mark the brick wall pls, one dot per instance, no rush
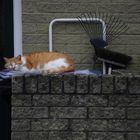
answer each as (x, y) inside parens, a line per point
(70, 38)
(76, 107)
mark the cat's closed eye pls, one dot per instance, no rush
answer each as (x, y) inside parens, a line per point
(8, 66)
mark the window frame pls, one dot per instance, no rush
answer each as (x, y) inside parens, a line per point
(17, 19)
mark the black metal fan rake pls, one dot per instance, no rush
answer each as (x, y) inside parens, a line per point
(102, 29)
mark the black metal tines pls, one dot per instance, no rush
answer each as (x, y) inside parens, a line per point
(91, 23)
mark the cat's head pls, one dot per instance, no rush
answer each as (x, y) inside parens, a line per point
(13, 63)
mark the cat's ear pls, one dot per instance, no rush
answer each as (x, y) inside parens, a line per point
(5, 59)
(19, 57)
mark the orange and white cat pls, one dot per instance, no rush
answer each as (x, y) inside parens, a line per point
(42, 62)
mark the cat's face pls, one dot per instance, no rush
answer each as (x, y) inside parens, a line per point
(13, 63)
